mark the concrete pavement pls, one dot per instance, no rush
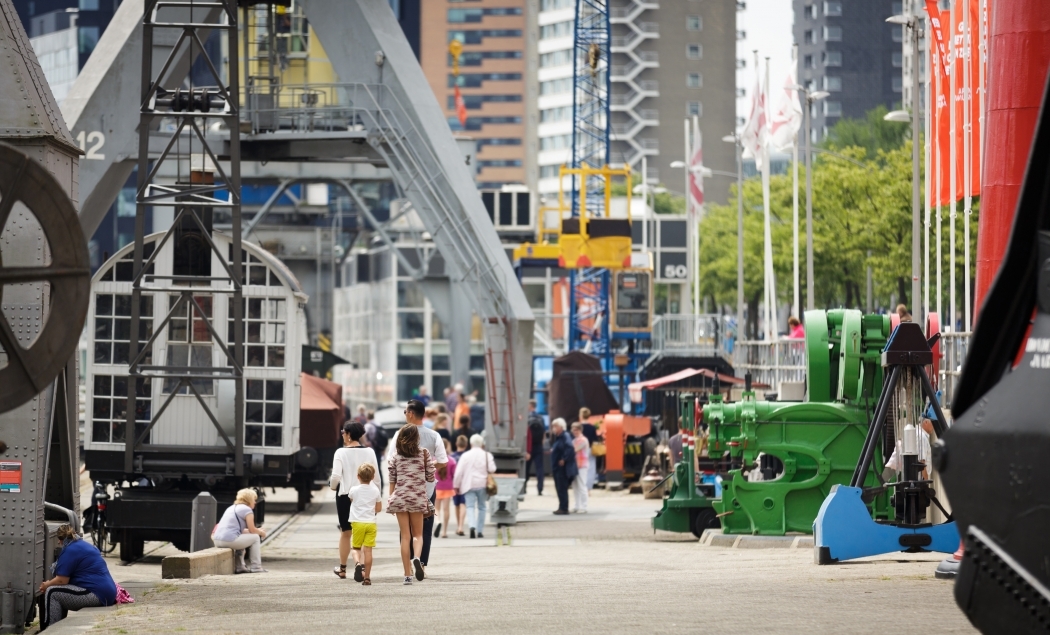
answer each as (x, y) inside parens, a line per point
(604, 572)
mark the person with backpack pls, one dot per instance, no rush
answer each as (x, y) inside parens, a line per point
(348, 459)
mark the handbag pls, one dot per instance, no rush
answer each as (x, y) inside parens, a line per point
(490, 485)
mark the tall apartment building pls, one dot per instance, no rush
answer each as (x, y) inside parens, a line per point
(493, 79)
(847, 48)
(670, 60)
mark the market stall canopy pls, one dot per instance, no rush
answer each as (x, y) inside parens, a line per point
(635, 389)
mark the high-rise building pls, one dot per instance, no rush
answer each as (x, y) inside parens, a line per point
(492, 80)
(912, 8)
(847, 48)
(670, 61)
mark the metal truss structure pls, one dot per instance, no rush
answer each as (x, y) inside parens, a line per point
(194, 197)
(384, 118)
(589, 288)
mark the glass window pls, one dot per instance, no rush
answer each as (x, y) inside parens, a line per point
(898, 83)
(109, 408)
(694, 51)
(832, 109)
(694, 80)
(694, 108)
(833, 8)
(409, 325)
(694, 23)
(265, 331)
(807, 61)
(113, 327)
(408, 385)
(898, 59)
(410, 357)
(409, 295)
(833, 34)
(536, 294)
(832, 58)
(263, 412)
(832, 84)
(807, 37)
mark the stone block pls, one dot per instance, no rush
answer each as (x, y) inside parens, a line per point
(213, 561)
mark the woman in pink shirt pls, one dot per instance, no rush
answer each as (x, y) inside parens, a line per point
(583, 457)
(445, 492)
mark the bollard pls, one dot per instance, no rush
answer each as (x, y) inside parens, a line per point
(10, 607)
(203, 521)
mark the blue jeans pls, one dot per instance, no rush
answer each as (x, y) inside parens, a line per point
(476, 498)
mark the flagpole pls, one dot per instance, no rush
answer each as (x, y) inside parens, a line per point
(771, 290)
(796, 306)
(928, 182)
(967, 158)
(938, 61)
(952, 164)
(687, 287)
(697, 211)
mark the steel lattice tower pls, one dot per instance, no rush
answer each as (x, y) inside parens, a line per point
(589, 288)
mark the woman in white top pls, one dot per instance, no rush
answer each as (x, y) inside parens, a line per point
(236, 530)
(472, 474)
(347, 460)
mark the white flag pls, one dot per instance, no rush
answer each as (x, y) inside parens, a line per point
(787, 117)
(696, 165)
(756, 133)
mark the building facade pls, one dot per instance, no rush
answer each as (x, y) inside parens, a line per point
(847, 48)
(670, 61)
(493, 80)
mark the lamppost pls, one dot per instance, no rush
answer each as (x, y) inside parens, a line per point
(735, 140)
(911, 22)
(692, 233)
(810, 97)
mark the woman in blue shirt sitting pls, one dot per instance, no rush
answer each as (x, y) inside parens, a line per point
(81, 579)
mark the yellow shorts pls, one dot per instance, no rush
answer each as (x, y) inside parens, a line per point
(364, 535)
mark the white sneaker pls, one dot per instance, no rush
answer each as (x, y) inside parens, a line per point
(408, 579)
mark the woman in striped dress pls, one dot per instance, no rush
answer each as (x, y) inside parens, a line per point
(411, 468)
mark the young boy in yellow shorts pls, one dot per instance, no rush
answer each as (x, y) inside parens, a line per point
(365, 502)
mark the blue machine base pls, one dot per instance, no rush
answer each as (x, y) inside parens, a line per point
(844, 530)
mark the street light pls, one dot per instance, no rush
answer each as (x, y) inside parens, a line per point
(911, 22)
(735, 140)
(810, 97)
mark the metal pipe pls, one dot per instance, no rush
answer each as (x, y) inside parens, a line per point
(809, 206)
(74, 521)
(916, 247)
(739, 241)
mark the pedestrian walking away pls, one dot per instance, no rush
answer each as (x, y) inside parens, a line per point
(590, 432)
(411, 470)
(345, 465)
(563, 464)
(580, 484)
(472, 477)
(534, 447)
(431, 442)
(366, 502)
(459, 501)
(445, 493)
(236, 530)
(81, 579)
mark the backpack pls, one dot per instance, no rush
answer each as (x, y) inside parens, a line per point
(377, 438)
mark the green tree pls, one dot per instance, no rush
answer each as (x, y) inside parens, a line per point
(872, 133)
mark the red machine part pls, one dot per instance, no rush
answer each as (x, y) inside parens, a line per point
(1019, 43)
(616, 427)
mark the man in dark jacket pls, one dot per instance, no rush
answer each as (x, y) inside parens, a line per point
(534, 447)
(563, 464)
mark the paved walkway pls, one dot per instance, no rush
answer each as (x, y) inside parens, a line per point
(604, 572)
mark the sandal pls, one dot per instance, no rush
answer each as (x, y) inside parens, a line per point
(359, 573)
(366, 582)
(340, 571)
(460, 533)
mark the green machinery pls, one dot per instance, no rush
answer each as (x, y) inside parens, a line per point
(689, 505)
(802, 448)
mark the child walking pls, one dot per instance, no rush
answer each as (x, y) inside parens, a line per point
(366, 502)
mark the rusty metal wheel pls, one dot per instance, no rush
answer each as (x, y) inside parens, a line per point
(44, 336)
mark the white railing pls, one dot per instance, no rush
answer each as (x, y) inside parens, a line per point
(699, 335)
(771, 362)
(953, 353)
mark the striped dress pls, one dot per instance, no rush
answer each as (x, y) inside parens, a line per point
(410, 476)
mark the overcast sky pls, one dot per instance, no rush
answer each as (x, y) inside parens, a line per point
(768, 27)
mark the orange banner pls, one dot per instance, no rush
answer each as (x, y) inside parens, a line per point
(964, 49)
